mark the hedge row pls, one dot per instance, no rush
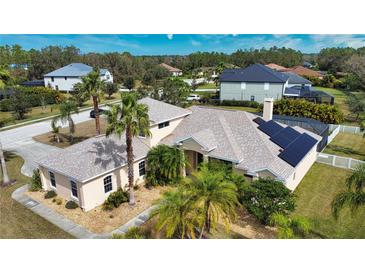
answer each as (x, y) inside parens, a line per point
(237, 103)
(34, 96)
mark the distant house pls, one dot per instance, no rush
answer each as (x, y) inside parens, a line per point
(296, 80)
(275, 67)
(66, 77)
(307, 64)
(172, 70)
(305, 72)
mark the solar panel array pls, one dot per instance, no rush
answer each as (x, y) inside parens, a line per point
(295, 144)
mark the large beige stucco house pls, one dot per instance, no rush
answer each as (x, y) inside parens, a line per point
(89, 171)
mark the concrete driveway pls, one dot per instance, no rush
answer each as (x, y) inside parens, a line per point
(19, 140)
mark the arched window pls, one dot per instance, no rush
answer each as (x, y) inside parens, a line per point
(108, 185)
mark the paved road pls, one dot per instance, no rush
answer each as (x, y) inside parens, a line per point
(20, 141)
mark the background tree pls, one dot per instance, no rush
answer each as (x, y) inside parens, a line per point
(94, 86)
(79, 94)
(148, 78)
(130, 118)
(356, 106)
(175, 91)
(265, 197)
(354, 196)
(111, 88)
(20, 105)
(67, 108)
(129, 83)
(4, 77)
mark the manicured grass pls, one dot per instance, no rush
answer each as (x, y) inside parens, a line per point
(314, 196)
(47, 111)
(347, 145)
(83, 131)
(207, 86)
(17, 221)
(248, 109)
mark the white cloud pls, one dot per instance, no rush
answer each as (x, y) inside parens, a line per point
(346, 40)
(170, 36)
(195, 43)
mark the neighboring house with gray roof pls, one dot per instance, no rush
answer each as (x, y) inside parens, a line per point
(66, 77)
(89, 171)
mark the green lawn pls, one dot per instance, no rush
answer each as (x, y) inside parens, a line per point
(248, 109)
(314, 196)
(347, 145)
(18, 221)
(49, 110)
(207, 86)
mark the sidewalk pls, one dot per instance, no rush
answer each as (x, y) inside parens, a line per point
(67, 225)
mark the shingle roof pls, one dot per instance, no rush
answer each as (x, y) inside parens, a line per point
(237, 139)
(255, 73)
(73, 70)
(275, 66)
(300, 70)
(170, 68)
(93, 157)
(296, 79)
(159, 111)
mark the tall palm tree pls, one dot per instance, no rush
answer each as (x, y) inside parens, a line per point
(215, 195)
(130, 118)
(55, 130)
(67, 108)
(6, 179)
(94, 86)
(354, 196)
(176, 215)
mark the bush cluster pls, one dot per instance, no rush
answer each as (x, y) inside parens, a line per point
(302, 108)
(50, 194)
(134, 233)
(234, 103)
(115, 199)
(71, 205)
(35, 183)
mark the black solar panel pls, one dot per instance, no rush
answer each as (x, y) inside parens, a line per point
(259, 120)
(285, 137)
(296, 151)
(270, 128)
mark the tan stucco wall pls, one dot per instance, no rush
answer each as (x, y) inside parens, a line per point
(302, 169)
(91, 193)
(160, 133)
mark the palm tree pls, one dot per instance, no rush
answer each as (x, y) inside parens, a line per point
(6, 179)
(4, 77)
(132, 119)
(176, 214)
(94, 86)
(290, 228)
(215, 195)
(66, 109)
(55, 130)
(354, 196)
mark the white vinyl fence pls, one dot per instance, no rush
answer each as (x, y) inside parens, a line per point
(335, 130)
(348, 129)
(338, 161)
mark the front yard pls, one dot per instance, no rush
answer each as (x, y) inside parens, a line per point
(17, 221)
(314, 196)
(347, 145)
(98, 220)
(83, 131)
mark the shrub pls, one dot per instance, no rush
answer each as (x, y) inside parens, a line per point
(266, 196)
(115, 199)
(35, 183)
(58, 201)
(238, 103)
(302, 108)
(50, 194)
(71, 205)
(133, 233)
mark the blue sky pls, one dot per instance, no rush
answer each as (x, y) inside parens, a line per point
(159, 44)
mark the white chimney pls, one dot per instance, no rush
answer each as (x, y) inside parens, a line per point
(268, 109)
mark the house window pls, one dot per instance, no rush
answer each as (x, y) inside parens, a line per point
(165, 124)
(74, 189)
(142, 168)
(56, 87)
(108, 186)
(252, 98)
(65, 78)
(52, 79)
(243, 85)
(52, 178)
(266, 86)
